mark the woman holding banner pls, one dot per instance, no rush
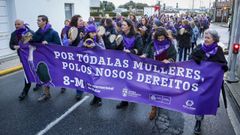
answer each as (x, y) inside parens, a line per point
(132, 43)
(208, 51)
(163, 50)
(92, 40)
(73, 35)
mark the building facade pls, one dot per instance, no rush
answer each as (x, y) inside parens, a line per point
(223, 10)
(28, 10)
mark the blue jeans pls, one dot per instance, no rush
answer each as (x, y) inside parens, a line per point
(181, 51)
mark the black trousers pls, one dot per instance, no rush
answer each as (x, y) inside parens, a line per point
(27, 86)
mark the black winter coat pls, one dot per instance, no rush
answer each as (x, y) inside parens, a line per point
(184, 41)
(51, 36)
(199, 55)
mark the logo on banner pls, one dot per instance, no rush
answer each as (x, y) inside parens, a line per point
(129, 93)
(161, 99)
(124, 92)
(189, 104)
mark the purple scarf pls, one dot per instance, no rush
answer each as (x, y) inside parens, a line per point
(46, 28)
(210, 49)
(128, 42)
(184, 26)
(161, 46)
(65, 29)
(20, 32)
(81, 27)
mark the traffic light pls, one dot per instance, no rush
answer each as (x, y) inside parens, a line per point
(164, 6)
(235, 48)
(156, 8)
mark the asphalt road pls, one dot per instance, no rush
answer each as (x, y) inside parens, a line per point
(29, 117)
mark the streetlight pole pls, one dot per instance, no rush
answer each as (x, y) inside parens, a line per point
(192, 5)
(104, 7)
(235, 34)
(159, 11)
(215, 10)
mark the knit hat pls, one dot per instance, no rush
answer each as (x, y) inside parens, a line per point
(158, 22)
(91, 28)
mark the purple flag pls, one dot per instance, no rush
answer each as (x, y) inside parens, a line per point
(183, 86)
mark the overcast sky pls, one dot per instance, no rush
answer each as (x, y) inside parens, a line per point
(182, 3)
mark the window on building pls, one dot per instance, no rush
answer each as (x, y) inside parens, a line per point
(68, 10)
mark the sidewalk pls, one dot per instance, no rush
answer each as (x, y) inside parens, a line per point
(9, 65)
(225, 25)
(233, 104)
(232, 89)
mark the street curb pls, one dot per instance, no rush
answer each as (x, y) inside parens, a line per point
(10, 70)
(236, 106)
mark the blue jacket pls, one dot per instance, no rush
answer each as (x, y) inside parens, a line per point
(51, 36)
(195, 34)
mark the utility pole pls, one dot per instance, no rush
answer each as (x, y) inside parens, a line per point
(104, 7)
(235, 35)
(192, 5)
(215, 10)
(159, 11)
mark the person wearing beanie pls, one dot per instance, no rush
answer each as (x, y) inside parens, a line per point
(91, 28)
(156, 24)
(92, 40)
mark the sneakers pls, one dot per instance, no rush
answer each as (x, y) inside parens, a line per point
(44, 97)
(197, 128)
(153, 113)
(121, 105)
(96, 101)
(22, 96)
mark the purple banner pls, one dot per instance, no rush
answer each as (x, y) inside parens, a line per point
(183, 86)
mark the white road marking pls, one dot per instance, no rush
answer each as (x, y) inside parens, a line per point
(52, 124)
